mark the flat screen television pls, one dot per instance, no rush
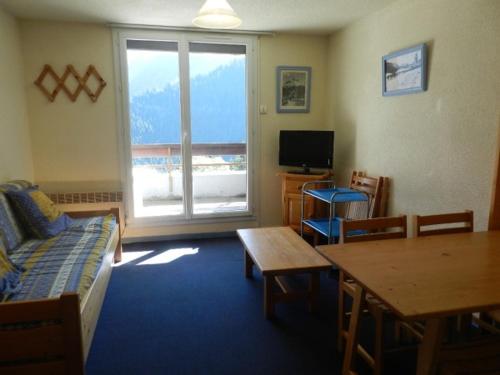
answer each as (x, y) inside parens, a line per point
(306, 149)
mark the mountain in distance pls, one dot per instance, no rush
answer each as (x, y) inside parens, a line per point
(218, 109)
(152, 74)
(152, 77)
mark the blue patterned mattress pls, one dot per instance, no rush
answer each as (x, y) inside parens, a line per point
(68, 262)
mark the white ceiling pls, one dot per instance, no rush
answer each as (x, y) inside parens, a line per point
(303, 16)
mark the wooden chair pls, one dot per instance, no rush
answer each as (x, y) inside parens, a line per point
(383, 228)
(466, 218)
(377, 189)
(431, 225)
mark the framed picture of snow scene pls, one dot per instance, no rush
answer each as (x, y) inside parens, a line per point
(293, 94)
(405, 71)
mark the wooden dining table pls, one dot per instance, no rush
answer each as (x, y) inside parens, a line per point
(426, 278)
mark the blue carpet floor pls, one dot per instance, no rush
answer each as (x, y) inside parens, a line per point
(197, 314)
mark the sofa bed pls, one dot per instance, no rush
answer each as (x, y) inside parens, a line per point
(50, 302)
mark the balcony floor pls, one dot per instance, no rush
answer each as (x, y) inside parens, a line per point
(202, 206)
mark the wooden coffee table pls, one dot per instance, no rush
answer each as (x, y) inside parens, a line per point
(279, 251)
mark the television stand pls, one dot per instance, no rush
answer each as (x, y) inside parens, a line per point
(306, 172)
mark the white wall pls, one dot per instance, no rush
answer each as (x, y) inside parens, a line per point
(74, 143)
(297, 50)
(15, 144)
(438, 146)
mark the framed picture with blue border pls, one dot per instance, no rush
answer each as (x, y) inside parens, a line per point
(293, 89)
(405, 71)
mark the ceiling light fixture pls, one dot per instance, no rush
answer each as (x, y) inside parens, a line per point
(217, 14)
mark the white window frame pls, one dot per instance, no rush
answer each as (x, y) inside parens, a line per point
(120, 37)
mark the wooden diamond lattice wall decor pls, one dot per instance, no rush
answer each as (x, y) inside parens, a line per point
(60, 82)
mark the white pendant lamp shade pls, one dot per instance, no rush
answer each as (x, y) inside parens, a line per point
(217, 14)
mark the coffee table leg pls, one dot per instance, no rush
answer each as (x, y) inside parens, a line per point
(268, 296)
(248, 265)
(313, 291)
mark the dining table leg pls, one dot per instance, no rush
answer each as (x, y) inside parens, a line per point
(428, 352)
(354, 324)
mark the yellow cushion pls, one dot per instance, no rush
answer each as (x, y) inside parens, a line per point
(48, 208)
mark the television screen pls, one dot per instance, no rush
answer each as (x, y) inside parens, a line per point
(306, 148)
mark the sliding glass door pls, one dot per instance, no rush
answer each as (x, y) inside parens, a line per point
(155, 128)
(188, 106)
(218, 96)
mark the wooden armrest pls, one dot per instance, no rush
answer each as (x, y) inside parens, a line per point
(36, 310)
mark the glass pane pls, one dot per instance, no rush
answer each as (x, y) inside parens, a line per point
(155, 121)
(218, 127)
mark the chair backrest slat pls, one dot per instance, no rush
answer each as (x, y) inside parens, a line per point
(366, 181)
(370, 190)
(374, 237)
(465, 218)
(380, 228)
(376, 188)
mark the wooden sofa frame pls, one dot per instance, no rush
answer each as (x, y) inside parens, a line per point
(55, 334)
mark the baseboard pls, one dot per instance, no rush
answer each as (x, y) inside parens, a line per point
(185, 236)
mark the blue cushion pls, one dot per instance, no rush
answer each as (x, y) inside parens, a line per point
(10, 276)
(11, 233)
(15, 185)
(39, 214)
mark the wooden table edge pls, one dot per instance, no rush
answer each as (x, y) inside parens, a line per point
(423, 316)
(279, 271)
(295, 270)
(287, 271)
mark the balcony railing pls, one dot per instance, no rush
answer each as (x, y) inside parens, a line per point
(172, 153)
(197, 149)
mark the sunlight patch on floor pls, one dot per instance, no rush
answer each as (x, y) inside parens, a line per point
(130, 256)
(169, 256)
